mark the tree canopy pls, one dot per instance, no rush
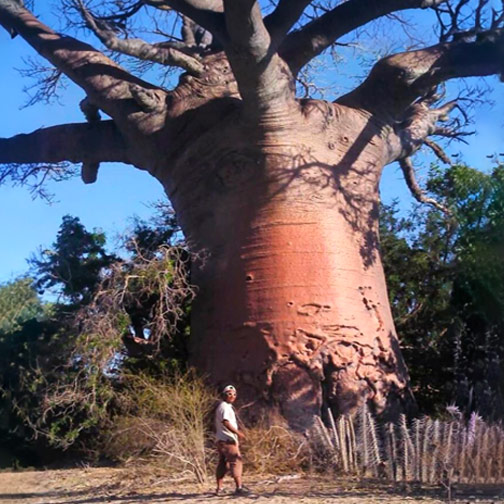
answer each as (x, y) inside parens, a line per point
(268, 45)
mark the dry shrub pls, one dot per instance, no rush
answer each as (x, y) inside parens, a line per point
(163, 418)
(275, 450)
(127, 439)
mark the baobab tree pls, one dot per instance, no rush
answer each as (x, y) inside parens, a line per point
(278, 194)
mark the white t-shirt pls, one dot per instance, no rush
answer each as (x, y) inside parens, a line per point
(225, 411)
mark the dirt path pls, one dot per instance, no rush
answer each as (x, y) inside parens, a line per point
(147, 485)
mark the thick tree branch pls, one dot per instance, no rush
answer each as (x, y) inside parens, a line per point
(207, 13)
(265, 82)
(284, 17)
(246, 29)
(79, 142)
(438, 151)
(419, 122)
(194, 35)
(397, 81)
(417, 192)
(303, 45)
(139, 48)
(105, 82)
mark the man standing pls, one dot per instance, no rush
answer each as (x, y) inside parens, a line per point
(226, 429)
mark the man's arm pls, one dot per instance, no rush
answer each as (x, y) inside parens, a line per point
(228, 426)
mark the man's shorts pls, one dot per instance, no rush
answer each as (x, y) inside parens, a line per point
(229, 450)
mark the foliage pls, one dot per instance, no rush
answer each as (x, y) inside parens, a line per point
(74, 264)
(28, 343)
(446, 285)
(18, 304)
(62, 363)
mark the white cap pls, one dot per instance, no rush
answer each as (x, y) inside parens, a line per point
(228, 388)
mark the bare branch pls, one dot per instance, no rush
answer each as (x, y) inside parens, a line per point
(105, 82)
(265, 82)
(301, 46)
(35, 175)
(194, 35)
(48, 83)
(283, 18)
(452, 133)
(397, 81)
(438, 151)
(246, 30)
(141, 49)
(419, 122)
(417, 192)
(156, 283)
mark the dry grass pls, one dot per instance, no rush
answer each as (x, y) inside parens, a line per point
(275, 450)
(166, 420)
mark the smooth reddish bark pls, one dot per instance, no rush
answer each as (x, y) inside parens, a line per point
(292, 303)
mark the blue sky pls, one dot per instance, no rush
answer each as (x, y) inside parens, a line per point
(122, 191)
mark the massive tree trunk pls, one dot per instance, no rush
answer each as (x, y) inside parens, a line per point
(292, 304)
(278, 197)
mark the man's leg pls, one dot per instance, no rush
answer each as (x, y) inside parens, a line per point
(235, 464)
(221, 470)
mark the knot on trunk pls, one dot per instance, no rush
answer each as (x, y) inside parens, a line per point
(90, 110)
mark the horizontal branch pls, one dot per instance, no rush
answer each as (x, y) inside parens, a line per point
(78, 142)
(397, 81)
(303, 45)
(139, 48)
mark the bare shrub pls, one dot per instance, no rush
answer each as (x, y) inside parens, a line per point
(146, 295)
(165, 419)
(275, 450)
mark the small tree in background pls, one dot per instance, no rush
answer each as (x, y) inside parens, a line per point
(446, 285)
(74, 264)
(63, 362)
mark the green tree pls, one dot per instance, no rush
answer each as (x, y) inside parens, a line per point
(446, 285)
(26, 345)
(19, 303)
(74, 264)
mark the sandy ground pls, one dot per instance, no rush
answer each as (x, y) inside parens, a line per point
(148, 485)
